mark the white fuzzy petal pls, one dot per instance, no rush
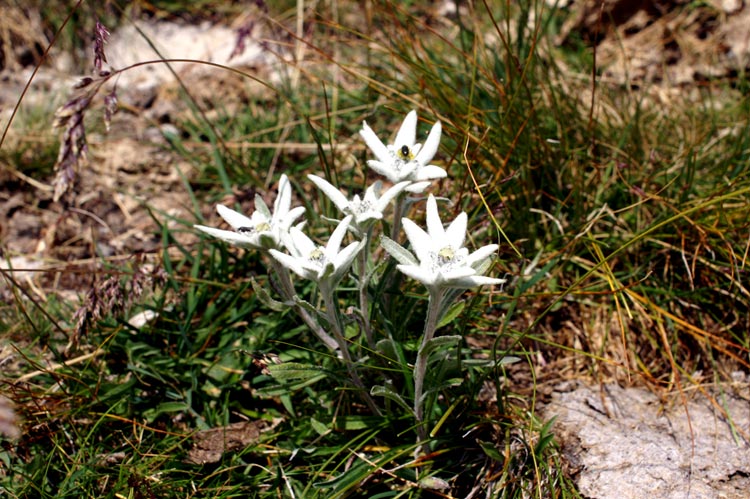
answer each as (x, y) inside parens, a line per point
(480, 254)
(456, 231)
(283, 198)
(458, 273)
(290, 217)
(407, 171)
(293, 264)
(344, 259)
(374, 143)
(390, 195)
(374, 190)
(301, 244)
(262, 208)
(231, 237)
(434, 225)
(430, 147)
(234, 218)
(474, 281)
(385, 169)
(421, 242)
(330, 191)
(417, 187)
(334, 242)
(430, 172)
(407, 134)
(420, 274)
(363, 218)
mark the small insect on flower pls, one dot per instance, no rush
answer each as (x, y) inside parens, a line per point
(405, 154)
(261, 227)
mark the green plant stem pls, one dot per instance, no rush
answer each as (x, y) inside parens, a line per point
(288, 293)
(364, 305)
(420, 367)
(334, 321)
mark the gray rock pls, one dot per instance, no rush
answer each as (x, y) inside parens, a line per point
(625, 443)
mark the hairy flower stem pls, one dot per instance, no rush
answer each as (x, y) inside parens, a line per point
(364, 305)
(334, 321)
(288, 293)
(420, 367)
(398, 212)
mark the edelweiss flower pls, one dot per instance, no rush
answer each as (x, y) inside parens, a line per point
(405, 159)
(364, 210)
(442, 261)
(262, 230)
(325, 265)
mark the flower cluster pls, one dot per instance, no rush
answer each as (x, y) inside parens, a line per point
(436, 257)
(441, 260)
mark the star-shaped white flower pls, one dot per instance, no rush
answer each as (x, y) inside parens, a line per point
(325, 265)
(364, 210)
(405, 159)
(262, 230)
(441, 260)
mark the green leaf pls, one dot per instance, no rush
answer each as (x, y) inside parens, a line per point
(294, 370)
(348, 479)
(306, 305)
(453, 312)
(490, 449)
(285, 389)
(508, 359)
(227, 366)
(319, 427)
(390, 393)
(265, 298)
(387, 348)
(356, 422)
(448, 383)
(440, 342)
(402, 255)
(356, 474)
(546, 436)
(286, 401)
(165, 408)
(525, 285)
